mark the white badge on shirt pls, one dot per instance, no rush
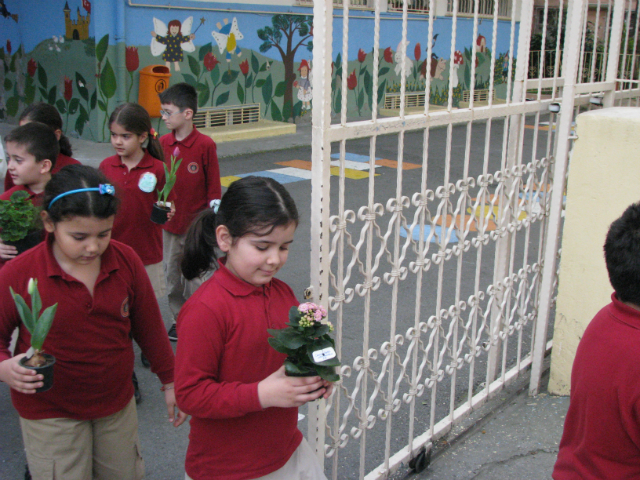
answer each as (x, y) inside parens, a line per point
(147, 182)
(323, 355)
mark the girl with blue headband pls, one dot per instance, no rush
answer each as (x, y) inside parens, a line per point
(85, 426)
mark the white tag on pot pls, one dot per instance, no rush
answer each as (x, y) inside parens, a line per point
(30, 352)
(324, 354)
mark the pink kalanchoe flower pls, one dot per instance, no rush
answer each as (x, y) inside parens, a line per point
(304, 307)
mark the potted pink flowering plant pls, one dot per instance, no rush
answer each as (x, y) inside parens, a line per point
(161, 209)
(306, 342)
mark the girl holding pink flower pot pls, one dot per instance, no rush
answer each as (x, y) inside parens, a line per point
(244, 408)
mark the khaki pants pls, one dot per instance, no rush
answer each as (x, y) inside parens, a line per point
(303, 465)
(104, 449)
(156, 275)
(179, 289)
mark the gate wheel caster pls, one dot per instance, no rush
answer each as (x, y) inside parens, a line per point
(421, 461)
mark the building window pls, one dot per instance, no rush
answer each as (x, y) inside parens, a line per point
(485, 7)
(414, 6)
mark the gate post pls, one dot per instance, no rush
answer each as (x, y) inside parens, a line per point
(320, 187)
(569, 73)
(614, 52)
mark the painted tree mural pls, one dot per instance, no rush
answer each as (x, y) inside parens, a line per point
(282, 36)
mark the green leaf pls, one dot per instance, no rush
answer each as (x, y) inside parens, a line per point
(108, 83)
(259, 83)
(53, 93)
(194, 65)
(383, 71)
(81, 85)
(7, 84)
(43, 93)
(381, 90)
(294, 369)
(73, 105)
(361, 99)
(36, 302)
(297, 109)
(13, 103)
(327, 373)
(267, 90)
(215, 75)
(43, 326)
(255, 65)
(222, 98)
(102, 106)
(190, 79)
(248, 80)
(23, 311)
(204, 50)
(275, 112)
(338, 62)
(42, 76)
(279, 347)
(80, 122)
(290, 338)
(29, 91)
(240, 93)
(203, 95)
(368, 83)
(263, 67)
(94, 98)
(230, 76)
(60, 105)
(280, 89)
(101, 48)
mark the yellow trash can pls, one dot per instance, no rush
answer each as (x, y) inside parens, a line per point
(153, 80)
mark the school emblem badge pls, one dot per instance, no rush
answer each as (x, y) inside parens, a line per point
(193, 167)
(124, 309)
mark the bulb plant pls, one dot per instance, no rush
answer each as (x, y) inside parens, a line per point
(170, 177)
(38, 325)
(306, 342)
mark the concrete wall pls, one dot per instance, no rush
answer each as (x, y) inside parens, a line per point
(603, 181)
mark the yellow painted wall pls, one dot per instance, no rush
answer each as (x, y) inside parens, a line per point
(604, 178)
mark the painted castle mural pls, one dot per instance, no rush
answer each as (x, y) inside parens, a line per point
(77, 55)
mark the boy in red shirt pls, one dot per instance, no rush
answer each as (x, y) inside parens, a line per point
(197, 185)
(32, 150)
(601, 437)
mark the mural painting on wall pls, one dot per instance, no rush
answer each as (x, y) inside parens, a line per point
(49, 73)
(82, 77)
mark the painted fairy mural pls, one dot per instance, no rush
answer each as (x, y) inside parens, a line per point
(304, 86)
(171, 40)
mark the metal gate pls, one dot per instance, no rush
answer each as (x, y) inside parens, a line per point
(441, 280)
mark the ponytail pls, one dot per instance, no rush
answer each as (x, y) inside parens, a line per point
(155, 148)
(65, 146)
(48, 114)
(199, 254)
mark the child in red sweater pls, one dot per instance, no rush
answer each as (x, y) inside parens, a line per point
(85, 426)
(197, 185)
(601, 437)
(244, 409)
(49, 115)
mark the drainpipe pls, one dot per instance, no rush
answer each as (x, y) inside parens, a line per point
(120, 58)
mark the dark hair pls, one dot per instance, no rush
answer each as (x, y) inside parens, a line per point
(135, 119)
(182, 95)
(81, 204)
(251, 205)
(38, 139)
(174, 23)
(49, 115)
(622, 255)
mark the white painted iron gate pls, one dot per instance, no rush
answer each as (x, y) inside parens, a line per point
(441, 280)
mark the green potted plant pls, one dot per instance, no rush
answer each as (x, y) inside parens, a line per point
(306, 341)
(38, 326)
(20, 222)
(161, 209)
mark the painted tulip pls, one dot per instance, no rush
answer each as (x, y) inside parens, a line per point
(210, 61)
(352, 80)
(9, 46)
(68, 89)
(388, 55)
(244, 67)
(32, 66)
(132, 60)
(417, 52)
(457, 58)
(361, 55)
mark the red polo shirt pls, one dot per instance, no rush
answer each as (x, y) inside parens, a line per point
(222, 355)
(36, 198)
(90, 336)
(198, 177)
(132, 225)
(61, 161)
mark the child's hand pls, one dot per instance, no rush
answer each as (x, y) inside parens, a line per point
(23, 380)
(278, 390)
(172, 407)
(172, 212)
(7, 252)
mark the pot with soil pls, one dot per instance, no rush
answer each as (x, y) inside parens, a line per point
(160, 213)
(161, 209)
(38, 326)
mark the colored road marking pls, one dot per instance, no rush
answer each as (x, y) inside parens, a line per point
(348, 172)
(275, 174)
(427, 230)
(226, 181)
(490, 225)
(383, 162)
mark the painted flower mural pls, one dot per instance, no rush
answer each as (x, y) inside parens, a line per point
(210, 61)
(388, 55)
(32, 66)
(68, 89)
(132, 62)
(361, 56)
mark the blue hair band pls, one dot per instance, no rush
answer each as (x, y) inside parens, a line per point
(103, 189)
